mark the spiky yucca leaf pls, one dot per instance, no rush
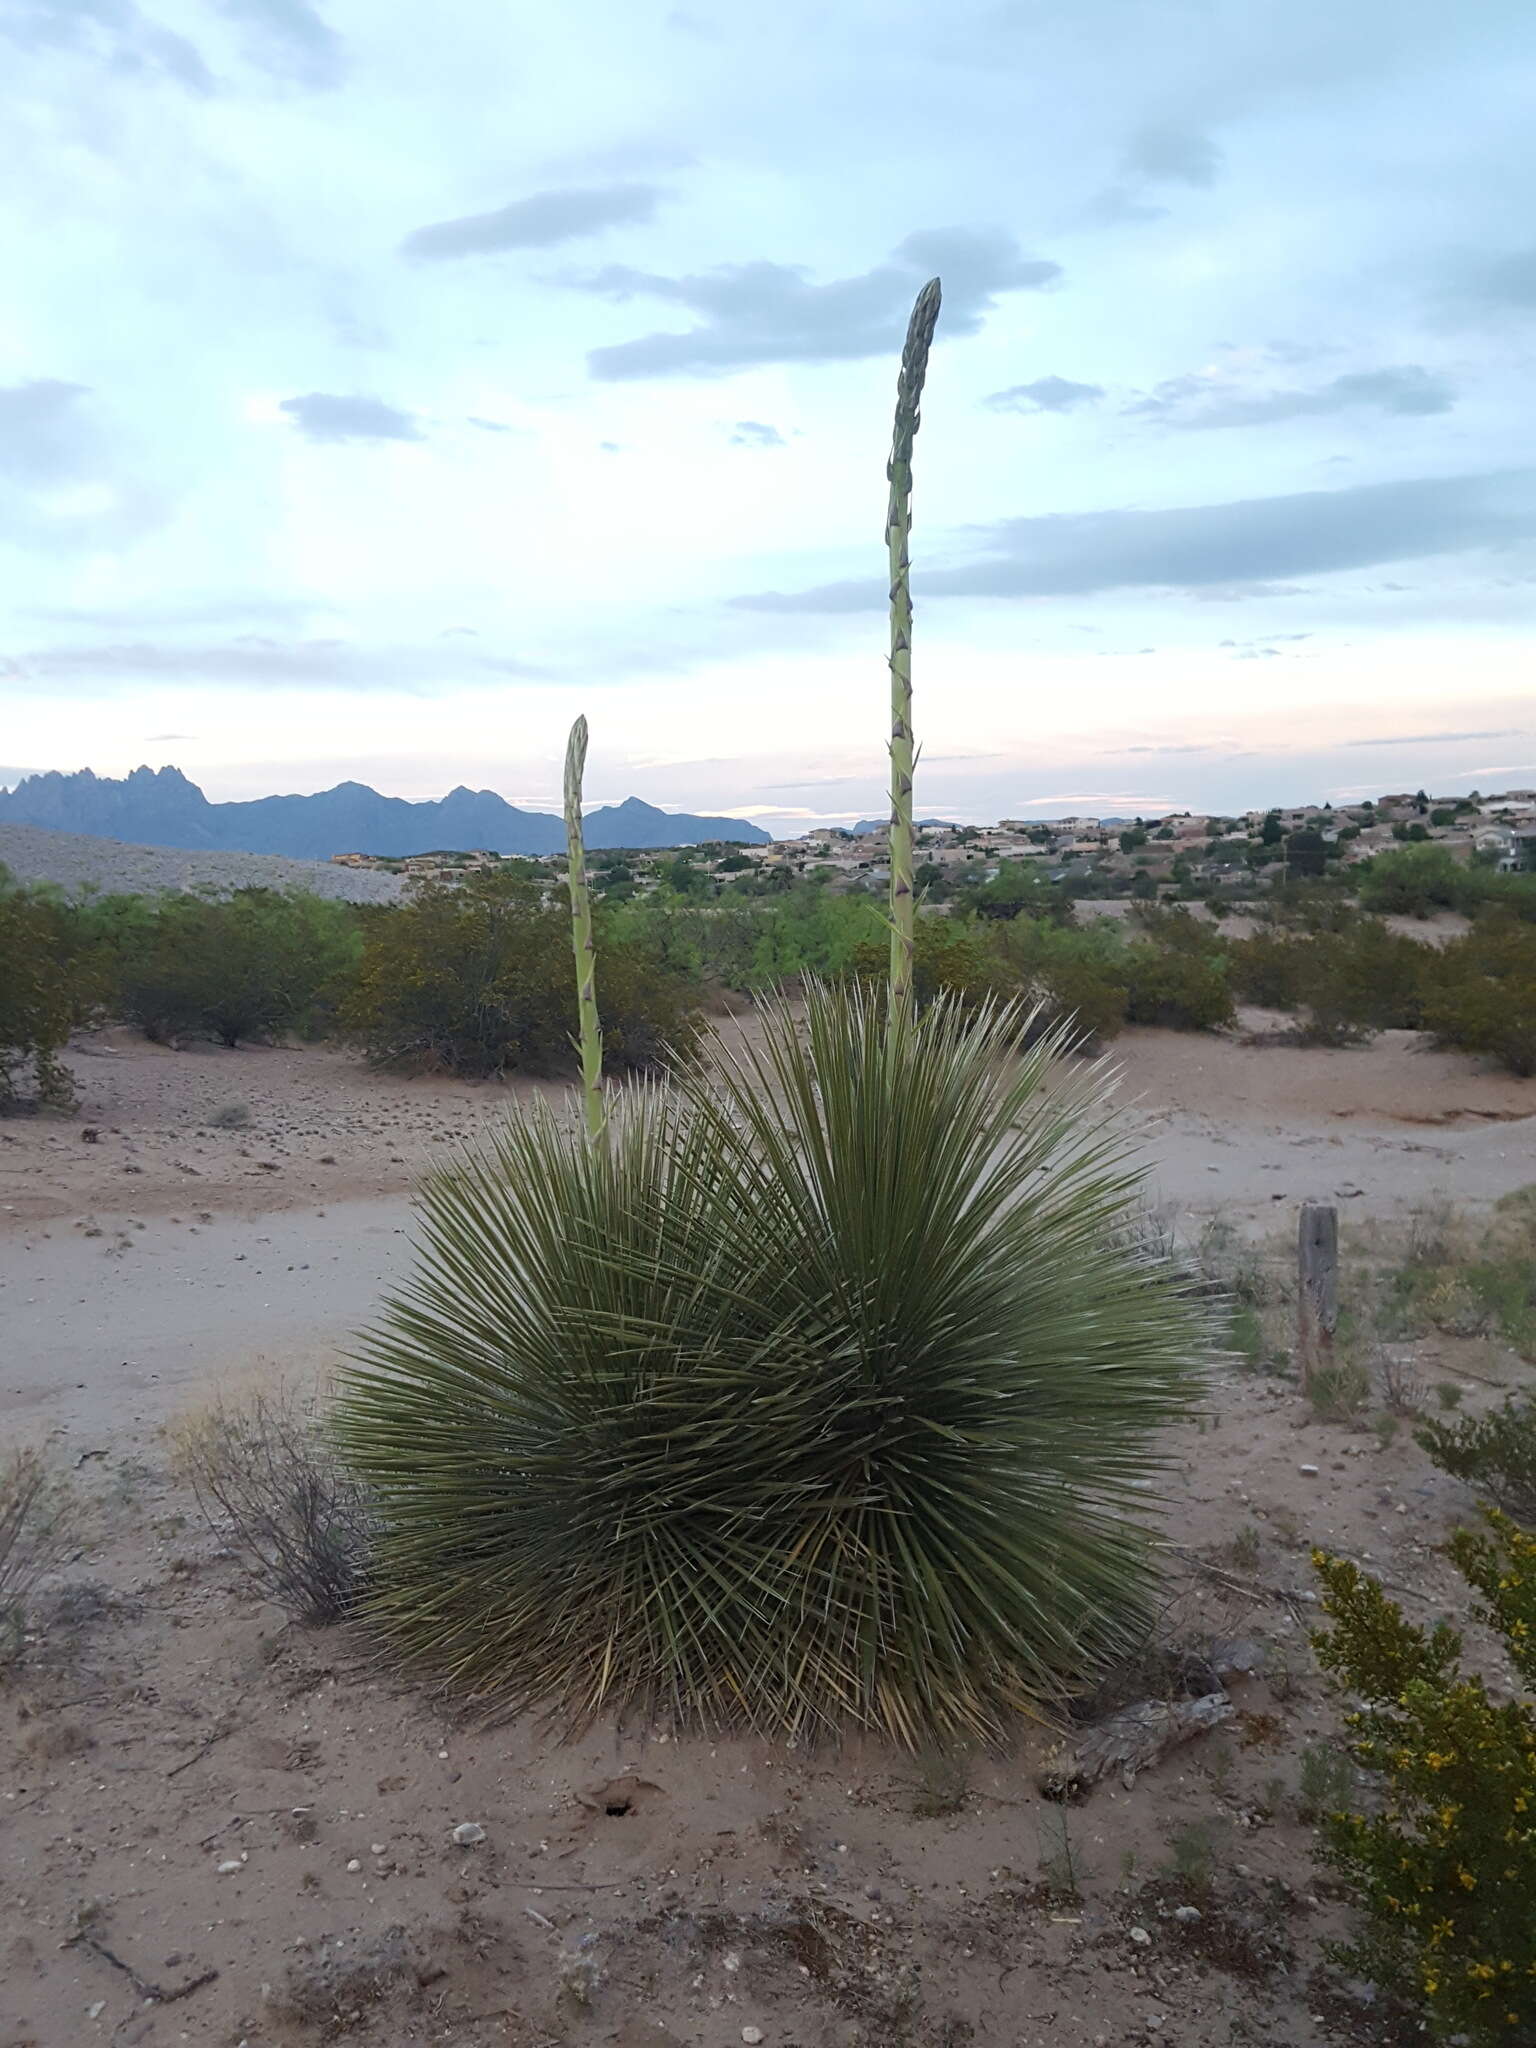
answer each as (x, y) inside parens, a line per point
(816, 1400)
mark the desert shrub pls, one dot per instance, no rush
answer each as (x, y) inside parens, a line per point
(266, 1478)
(950, 959)
(1266, 970)
(1339, 1392)
(1325, 1781)
(1481, 994)
(475, 977)
(32, 1523)
(1402, 1384)
(42, 997)
(1019, 889)
(1350, 980)
(1360, 979)
(1444, 1867)
(825, 1392)
(1184, 991)
(252, 965)
(1321, 904)
(1412, 881)
(1495, 1454)
(1486, 1275)
(748, 941)
(1076, 975)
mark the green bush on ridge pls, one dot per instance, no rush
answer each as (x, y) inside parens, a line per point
(45, 991)
(474, 978)
(1481, 995)
(256, 964)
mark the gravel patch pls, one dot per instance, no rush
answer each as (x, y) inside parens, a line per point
(34, 853)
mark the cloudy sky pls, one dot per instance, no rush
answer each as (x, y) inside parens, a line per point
(379, 388)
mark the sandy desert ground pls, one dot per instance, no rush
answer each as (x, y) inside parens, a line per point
(219, 1826)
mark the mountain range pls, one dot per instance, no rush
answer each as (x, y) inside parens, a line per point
(161, 807)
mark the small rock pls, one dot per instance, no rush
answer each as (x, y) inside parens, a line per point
(228, 1869)
(1307, 1471)
(375, 1848)
(751, 2035)
(1187, 1914)
(94, 2012)
(354, 1864)
(468, 1833)
(1140, 1936)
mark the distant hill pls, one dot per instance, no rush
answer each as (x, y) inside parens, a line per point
(161, 807)
(879, 824)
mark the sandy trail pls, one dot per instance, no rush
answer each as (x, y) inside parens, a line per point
(131, 1289)
(108, 1336)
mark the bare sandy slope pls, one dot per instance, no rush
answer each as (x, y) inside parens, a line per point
(223, 1792)
(1391, 1118)
(74, 860)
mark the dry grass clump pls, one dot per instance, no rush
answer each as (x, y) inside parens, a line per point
(266, 1478)
(31, 1540)
(1466, 1276)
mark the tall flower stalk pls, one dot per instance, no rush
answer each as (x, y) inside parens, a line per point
(589, 1036)
(898, 527)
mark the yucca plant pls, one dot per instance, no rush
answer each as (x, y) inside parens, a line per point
(823, 1395)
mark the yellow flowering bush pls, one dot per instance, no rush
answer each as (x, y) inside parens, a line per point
(1445, 1865)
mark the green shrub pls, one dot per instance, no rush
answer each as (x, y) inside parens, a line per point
(1481, 995)
(1412, 881)
(255, 964)
(950, 959)
(1495, 1455)
(42, 997)
(825, 1392)
(1324, 904)
(475, 977)
(1445, 1867)
(1266, 970)
(1361, 979)
(749, 941)
(1353, 979)
(1019, 889)
(1184, 991)
(1075, 974)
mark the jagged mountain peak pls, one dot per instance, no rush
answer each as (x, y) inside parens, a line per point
(163, 807)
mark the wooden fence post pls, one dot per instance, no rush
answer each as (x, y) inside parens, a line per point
(1317, 1288)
